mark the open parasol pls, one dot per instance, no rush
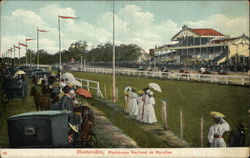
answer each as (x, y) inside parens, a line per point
(20, 72)
(70, 79)
(155, 86)
(83, 92)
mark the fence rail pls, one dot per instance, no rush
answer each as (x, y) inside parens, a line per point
(88, 86)
(222, 79)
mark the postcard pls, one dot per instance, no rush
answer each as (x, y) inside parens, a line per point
(122, 78)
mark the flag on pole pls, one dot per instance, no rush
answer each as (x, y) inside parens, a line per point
(42, 31)
(17, 47)
(29, 39)
(68, 17)
(23, 45)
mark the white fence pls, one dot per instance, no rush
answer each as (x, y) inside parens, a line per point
(222, 79)
(89, 84)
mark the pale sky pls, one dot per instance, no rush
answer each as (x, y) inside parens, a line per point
(145, 23)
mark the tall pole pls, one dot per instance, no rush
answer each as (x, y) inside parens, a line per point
(14, 55)
(26, 53)
(10, 56)
(19, 52)
(60, 55)
(114, 96)
(37, 48)
(81, 62)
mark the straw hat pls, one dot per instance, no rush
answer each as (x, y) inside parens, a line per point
(140, 92)
(216, 114)
(73, 127)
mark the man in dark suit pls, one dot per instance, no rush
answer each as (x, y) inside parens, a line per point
(67, 102)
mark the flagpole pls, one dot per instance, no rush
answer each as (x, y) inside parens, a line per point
(114, 86)
(26, 53)
(14, 55)
(60, 55)
(8, 57)
(37, 48)
(19, 51)
(30, 57)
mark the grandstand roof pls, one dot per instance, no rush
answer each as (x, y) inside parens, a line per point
(207, 32)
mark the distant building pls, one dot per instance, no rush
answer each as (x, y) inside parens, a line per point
(144, 56)
(207, 45)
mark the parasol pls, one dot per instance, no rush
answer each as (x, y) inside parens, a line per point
(155, 86)
(70, 79)
(20, 72)
(84, 92)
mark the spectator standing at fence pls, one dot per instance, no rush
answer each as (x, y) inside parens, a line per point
(67, 102)
(215, 134)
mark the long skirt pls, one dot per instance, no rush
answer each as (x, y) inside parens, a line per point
(133, 107)
(218, 143)
(149, 114)
(140, 110)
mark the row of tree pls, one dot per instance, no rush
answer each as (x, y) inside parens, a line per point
(101, 53)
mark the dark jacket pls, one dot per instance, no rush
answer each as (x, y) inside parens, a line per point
(66, 103)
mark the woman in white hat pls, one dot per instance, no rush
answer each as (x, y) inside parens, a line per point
(149, 112)
(215, 134)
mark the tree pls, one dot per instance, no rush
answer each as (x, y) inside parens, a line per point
(76, 50)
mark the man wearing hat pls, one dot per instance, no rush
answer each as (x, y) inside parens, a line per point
(238, 138)
(66, 101)
(215, 134)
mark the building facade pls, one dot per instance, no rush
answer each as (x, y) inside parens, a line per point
(205, 45)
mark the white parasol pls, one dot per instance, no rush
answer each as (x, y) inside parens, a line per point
(155, 86)
(70, 79)
(20, 72)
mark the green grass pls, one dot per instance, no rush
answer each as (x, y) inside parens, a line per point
(129, 126)
(195, 99)
(15, 106)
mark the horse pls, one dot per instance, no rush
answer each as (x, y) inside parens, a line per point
(36, 95)
(42, 99)
(45, 98)
(88, 123)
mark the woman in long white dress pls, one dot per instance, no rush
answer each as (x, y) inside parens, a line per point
(215, 134)
(133, 107)
(140, 104)
(126, 97)
(149, 112)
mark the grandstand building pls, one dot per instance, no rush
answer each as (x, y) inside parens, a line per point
(205, 45)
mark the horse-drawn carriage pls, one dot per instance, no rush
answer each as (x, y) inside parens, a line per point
(45, 129)
(13, 85)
